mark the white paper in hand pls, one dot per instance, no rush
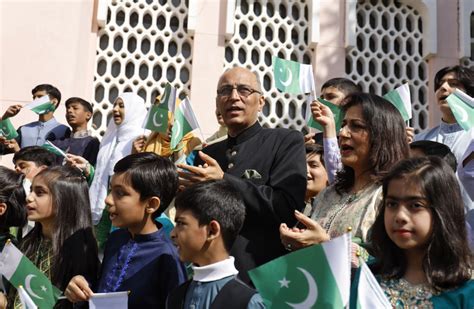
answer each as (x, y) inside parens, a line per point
(116, 300)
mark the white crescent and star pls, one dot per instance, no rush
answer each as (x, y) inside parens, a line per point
(28, 286)
(288, 81)
(312, 292)
(155, 123)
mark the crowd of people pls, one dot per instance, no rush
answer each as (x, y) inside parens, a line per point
(182, 228)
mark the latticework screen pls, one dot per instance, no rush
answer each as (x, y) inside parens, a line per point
(389, 52)
(143, 45)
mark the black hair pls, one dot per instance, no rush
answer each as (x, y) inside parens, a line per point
(465, 75)
(431, 148)
(38, 155)
(387, 137)
(87, 106)
(315, 149)
(52, 91)
(447, 261)
(215, 200)
(150, 175)
(344, 85)
(74, 245)
(13, 195)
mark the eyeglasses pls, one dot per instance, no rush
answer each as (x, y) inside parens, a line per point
(242, 90)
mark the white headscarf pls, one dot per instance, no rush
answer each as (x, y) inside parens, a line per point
(116, 144)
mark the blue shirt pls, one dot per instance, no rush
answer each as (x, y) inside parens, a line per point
(37, 132)
(147, 265)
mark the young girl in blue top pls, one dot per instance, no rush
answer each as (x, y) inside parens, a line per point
(139, 257)
(419, 238)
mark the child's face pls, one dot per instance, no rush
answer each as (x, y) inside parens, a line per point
(189, 237)
(408, 218)
(29, 168)
(39, 202)
(317, 177)
(118, 111)
(77, 115)
(333, 95)
(125, 208)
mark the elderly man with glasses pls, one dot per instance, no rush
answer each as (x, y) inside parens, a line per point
(266, 165)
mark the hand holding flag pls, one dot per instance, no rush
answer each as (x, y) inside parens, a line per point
(324, 113)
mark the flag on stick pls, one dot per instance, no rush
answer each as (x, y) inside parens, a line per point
(335, 109)
(293, 77)
(400, 98)
(369, 293)
(20, 271)
(314, 277)
(184, 122)
(54, 149)
(25, 299)
(157, 119)
(462, 106)
(7, 129)
(41, 105)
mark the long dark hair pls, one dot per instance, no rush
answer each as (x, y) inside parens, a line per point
(74, 244)
(387, 137)
(13, 195)
(447, 260)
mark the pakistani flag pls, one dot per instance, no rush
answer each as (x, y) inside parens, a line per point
(335, 109)
(462, 106)
(54, 149)
(400, 98)
(25, 299)
(41, 105)
(314, 277)
(7, 129)
(20, 271)
(184, 122)
(369, 293)
(293, 77)
(157, 119)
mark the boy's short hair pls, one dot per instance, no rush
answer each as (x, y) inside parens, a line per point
(431, 148)
(465, 76)
(50, 90)
(87, 106)
(150, 175)
(342, 84)
(36, 154)
(215, 200)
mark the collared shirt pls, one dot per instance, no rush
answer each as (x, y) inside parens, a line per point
(207, 283)
(37, 132)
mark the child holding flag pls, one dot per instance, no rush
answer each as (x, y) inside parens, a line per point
(46, 128)
(209, 216)
(62, 243)
(419, 237)
(139, 257)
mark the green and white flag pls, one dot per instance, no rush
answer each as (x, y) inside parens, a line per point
(157, 119)
(54, 149)
(184, 122)
(20, 271)
(25, 299)
(335, 109)
(7, 129)
(369, 293)
(293, 77)
(400, 98)
(41, 105)
(314, 277)
(462, 106)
